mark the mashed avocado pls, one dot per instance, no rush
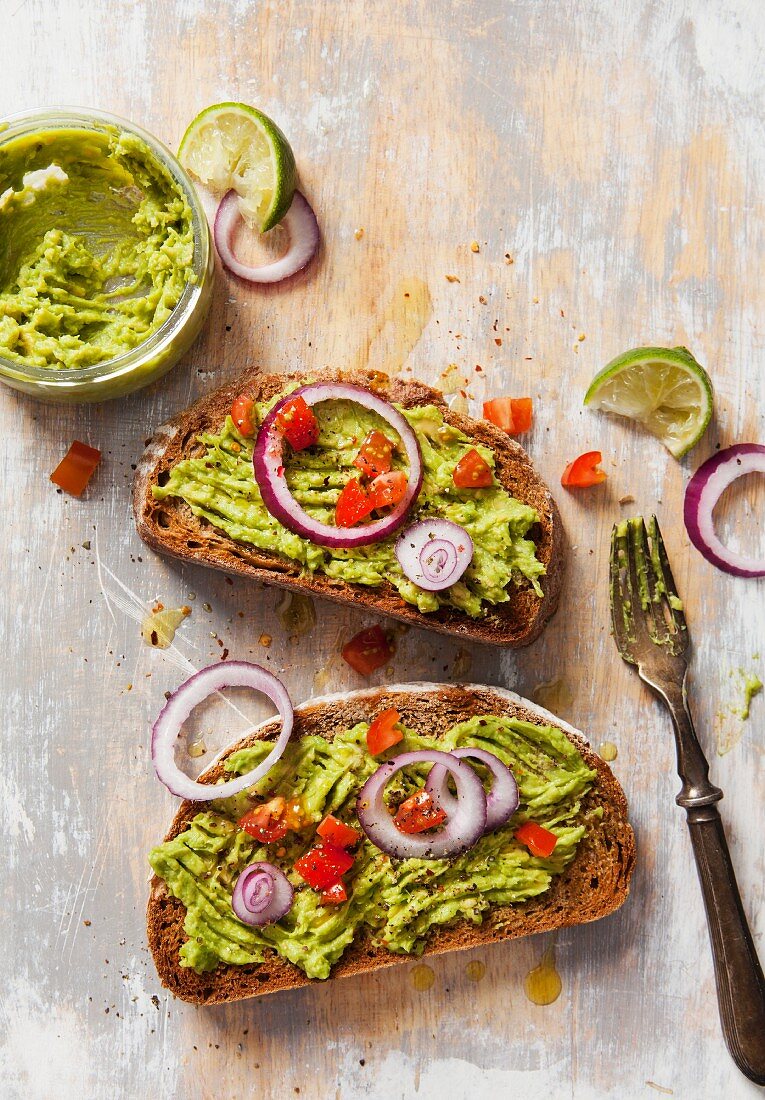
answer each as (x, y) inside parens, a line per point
(396, 903)
(219, 486)
(96, 247)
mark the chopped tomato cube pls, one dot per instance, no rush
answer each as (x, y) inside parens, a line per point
(266, 822)
(374, 455)
(388, 489)
(538, 840)
(583, 471)
(76, 468)
(522, 414)
(336, 832)
(418, 813)
(297, 423)
(353, 504)
(368, 650)
(335, 894)
(384, 731)
(241, 414)
(323, 865)
(499, 412)
(294, 815)
(472, 472)
(511, 414)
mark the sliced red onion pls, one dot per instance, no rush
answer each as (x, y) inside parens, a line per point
(300, 223)
(705, 489)
(262, 894)
(501, 801)
(434, 553)
(268, 465)
(179, 706)
(464, 827)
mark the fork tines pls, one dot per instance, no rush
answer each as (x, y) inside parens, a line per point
(645, 606)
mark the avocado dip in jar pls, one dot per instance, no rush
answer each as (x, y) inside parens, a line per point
(106, 264)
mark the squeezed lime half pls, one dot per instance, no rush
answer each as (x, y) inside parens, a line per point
(233, 145)
(664, 389)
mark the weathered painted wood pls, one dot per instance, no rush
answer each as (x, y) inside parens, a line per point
(614, 152)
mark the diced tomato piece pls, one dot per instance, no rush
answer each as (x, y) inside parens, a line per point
(583, 471)
(294, 814)
(353, 504)
(374, 455)
(336, 832)
(418, 813)
(267, 822)
(368, 650)
(499, 411)
(472, 472)
(76, 468)
(388, 489)
(297, 423)
(384, 731)
(323, 865)
(522, 414)
(511, 414)
(538, 840)
(335, 894)
(241, 414)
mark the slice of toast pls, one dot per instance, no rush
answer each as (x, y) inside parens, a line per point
(594, 884)
(170, 527)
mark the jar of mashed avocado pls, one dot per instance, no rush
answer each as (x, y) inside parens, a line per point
(106, 262)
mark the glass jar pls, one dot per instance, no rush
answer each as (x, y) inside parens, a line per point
(162, 348)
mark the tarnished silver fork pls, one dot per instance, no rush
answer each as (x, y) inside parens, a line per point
(651, 632)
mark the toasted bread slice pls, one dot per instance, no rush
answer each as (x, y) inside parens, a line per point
(592, 886)
(170, 527)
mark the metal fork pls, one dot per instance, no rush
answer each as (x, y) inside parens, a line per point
(651, 632)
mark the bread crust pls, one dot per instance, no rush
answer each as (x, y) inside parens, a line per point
(170, 527)
(592, 886)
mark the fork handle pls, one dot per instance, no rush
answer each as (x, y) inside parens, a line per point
(738, 974)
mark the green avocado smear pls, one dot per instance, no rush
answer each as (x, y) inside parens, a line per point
(395, 903)
(96, 246)
(218, 485)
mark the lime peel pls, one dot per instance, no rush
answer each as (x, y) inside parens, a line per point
(664, 389)
(235, 146)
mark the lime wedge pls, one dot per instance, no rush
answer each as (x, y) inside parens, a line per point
(664, 389)
(231, 145)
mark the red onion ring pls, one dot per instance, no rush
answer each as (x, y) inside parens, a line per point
(434, 553)
(501, 801)
(705, 489)
(180, 705)
(465, 826)
(268, 466)
(300, 223)
(262, 894)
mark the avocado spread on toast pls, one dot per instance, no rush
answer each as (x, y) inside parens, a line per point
(219, 487)
(397, 903)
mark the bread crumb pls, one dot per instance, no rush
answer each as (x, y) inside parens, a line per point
(627, 499)
(581, 337)
(481, 299)
(265, 640)
(359, 233)
(509, 259)
(452, 278)
(475, 246)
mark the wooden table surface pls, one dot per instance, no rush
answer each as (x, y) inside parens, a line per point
(614, 151)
